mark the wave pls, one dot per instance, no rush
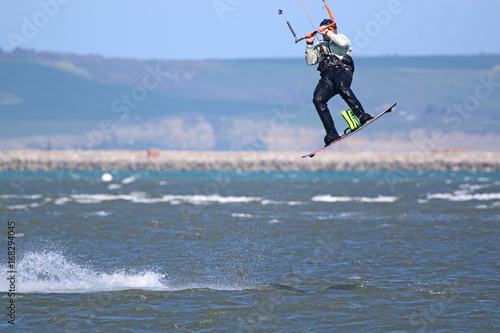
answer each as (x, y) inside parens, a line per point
(139, 197)
(23, 207)
(330, 198)
(52, 272)
(463, 196)
(241, 215)
(129, 180)
(134, 197)
(21, 196)
(175, 199)
(143, 198)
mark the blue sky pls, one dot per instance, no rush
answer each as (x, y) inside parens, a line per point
(234, 29)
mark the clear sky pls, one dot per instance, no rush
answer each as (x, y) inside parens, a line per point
(233, 29)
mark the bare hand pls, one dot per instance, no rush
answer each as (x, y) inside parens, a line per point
(311, 36)
(323, 30)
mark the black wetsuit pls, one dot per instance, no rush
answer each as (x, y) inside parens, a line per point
(336, 78)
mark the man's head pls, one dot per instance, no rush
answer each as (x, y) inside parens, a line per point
(327, 22)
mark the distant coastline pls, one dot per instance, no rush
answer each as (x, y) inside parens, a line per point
(444, 102)
(246, 160)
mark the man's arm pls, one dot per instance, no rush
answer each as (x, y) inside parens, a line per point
(312, 56)
(339, 40)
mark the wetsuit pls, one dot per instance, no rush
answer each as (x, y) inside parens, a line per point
(336, 67)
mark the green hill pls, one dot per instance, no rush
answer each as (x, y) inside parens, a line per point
(40, 92)
(61, 95)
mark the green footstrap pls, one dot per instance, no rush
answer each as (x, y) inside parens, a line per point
(350, 119)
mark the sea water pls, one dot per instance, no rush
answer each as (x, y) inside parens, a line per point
(250, 251)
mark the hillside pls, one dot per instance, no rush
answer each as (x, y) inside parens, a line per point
(82, 102)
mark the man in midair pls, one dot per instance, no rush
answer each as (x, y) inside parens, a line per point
(333, 54)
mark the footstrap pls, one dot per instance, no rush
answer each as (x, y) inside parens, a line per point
(350, 119)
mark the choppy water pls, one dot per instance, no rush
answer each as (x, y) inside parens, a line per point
(252, 252)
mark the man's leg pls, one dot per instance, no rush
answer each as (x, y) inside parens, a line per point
(343, 87)
(322, 94)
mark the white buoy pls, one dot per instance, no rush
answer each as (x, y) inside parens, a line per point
(106, 177)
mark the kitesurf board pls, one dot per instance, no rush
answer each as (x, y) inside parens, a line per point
(346, 135)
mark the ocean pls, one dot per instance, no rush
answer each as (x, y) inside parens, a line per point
(217, 251)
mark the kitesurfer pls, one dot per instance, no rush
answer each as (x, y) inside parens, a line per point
(333, 56)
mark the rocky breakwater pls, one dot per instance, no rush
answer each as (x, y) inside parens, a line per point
(247, 161)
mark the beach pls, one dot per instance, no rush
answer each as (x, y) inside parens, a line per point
(24, 160)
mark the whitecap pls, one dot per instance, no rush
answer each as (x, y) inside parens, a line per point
(463, 196)
(100, 213)
(241, 215)
(61, 201)
(129, 180)
(141, 197)
(98, 198)
(114, 187)
(273, 202)
(24, 196)
(17, 207)
(330, 198)
(204, 199)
